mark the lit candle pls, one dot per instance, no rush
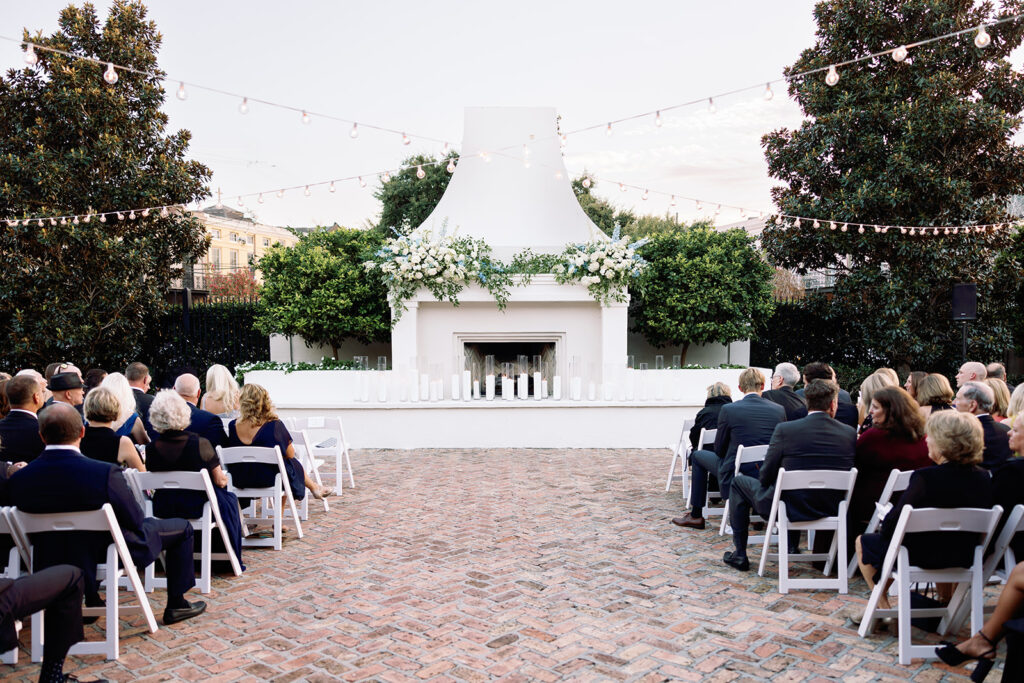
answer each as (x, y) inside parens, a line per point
(538, 386)
(524, 386)
(489, 388)
(507, 388)
(476, 387)
(577, 388)
(467, 383)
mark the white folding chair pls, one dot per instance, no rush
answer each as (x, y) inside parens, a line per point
(897, 483)
(210, 519)
(303, 451)
(810, 480)
(268, 498)
(744, 455)
(897, 565)
(705, 441)
(12, 570)
(118, 563)
(680, 454)
(1000, 550)
(328, 438)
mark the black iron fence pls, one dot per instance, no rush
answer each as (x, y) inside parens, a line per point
(190, 337)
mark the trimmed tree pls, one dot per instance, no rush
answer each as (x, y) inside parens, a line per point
(700, 287)
(406, 199)
(319, 290)
(72, 144)
(926, 141)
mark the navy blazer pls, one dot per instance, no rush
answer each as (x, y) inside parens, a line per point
(207, 425)
(747, 422)
(19, 437)
(64, 480)
(816, 442)
(788, 399)
(997, 442)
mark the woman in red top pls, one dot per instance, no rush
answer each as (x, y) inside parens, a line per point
(894, 441)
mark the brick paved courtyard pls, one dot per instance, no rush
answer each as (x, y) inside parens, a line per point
(521, 565)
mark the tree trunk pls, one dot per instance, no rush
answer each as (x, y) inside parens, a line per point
(682, 354)
(334, 350)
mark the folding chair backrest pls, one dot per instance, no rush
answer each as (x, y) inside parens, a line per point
(817, 480)
(1001, 546)
(707, 437)
(21, 545)
(249, 455)
(184, 481)
(749, 454)
(897, 482)
(976, 520)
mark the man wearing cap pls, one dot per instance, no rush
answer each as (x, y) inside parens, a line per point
(67, 388)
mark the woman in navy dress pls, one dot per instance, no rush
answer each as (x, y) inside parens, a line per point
(176, 450)
(258, 425)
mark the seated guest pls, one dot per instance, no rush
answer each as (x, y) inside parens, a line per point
(62, 480)
(5, 407)
(971, 371)
(67, 388)
(138, 378)
(815, 442)
(1008, 483)
(870, 385)
(34, 374)
(889, 374)
(955, 442)
(101, 442)
(894, 441)
(19, 431)
(203, 423)
(998, 371)
(1000, 399)
(1016, 405)
(259, 425)
(976, 398)
(914, 379)
(92, 379)
(178, 450)
(785, 378)
(846, 412)
(934, 394)
(222, 393)
(718, 395)
(1007, 620)
(128, 422)
(58, 590)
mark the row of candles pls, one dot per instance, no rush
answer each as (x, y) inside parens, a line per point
(529, 378)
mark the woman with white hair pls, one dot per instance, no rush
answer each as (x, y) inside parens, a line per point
(176, 450)
(127, 422)
(222, 393)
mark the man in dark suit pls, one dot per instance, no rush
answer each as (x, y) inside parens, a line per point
(67, 387)
(977, 398)
(19, 431)
(816, 442)
(63, 480)
(139, 380)
(785, 378)
(846, 411)
(747, 422)
(204, 423)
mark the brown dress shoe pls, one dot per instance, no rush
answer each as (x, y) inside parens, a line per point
(689, 521)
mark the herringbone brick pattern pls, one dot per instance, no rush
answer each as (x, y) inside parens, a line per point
(520, 565)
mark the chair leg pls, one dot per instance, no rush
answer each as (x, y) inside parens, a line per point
(351, 476)
(278, 520)
(671, 472)
(903, 611)
(205, 560)
(36, 653)
(766, 546)
(839, 546)
(783, 551)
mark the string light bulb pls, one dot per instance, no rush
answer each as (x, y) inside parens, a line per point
(259, 199)
(657, 119)
(240, 200)
(131, 216)
(280, 194)
(860, 230)
(110, 75)
(306, 192)
(243, 108)
(354, 133)
(362, 183)
(103, 218)
(420, 173)
(405, 139)
(145, 213)
(305, 117)
(444, 149)
(53, 221)
(711, 105)
(699, 206)
(451, 166)
(88, 217)
(645, 195)
(31, 58)
(832, 77)
(816, 224)
(181, 94)
(608, 129)
(387, 176)
(120, 216)
(63, 220)
(564, 140)
(673, 202)
(622, 188)
(982, 39)
(586, 182)
(76, 221)
(331, 188)
(900, 53)
(768, 92)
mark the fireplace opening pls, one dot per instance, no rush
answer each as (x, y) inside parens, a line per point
(511, 352)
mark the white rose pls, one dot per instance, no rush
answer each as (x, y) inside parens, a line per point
(419, 275)
(593, 267)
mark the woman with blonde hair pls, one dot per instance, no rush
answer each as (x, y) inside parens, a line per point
(934, 394)
(222, 392)
(1016, 406)
(258, 425)
(1001, 406)
(870, 385)
(891, 374)
(101, 442)
(127, 422)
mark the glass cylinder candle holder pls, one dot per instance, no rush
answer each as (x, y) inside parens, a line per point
(523, 381)
(677, 361)
(538, 377)
(489, 378)
(659, 362)
(508, 381)
(643, 381)
(592, 381)
(576, 378)
(382, 363)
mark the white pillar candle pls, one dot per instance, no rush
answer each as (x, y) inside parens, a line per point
(467, 384)
(577, 388)
(456, 387)
(544, 388)
(508, 388)
(538, 386)
(382, 387)
(489, 387)
(476, 387)
(524, 386)
(591, 391)
(609, 391)
(556, 387)
(425, 387)
(413, 387)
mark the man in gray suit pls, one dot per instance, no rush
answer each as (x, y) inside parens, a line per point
(747, 422)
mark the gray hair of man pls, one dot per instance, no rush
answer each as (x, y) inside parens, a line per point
(169, 412)
(789, 373)
(187, 385)
(979, 392)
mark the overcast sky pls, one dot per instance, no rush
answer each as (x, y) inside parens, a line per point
(414, 66)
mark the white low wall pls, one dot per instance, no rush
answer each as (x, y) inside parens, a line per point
(646, 421)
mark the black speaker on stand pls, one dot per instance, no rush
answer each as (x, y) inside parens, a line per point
(965, 307)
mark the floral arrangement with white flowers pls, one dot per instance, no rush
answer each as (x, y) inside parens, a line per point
(443, 264)
(605, 267)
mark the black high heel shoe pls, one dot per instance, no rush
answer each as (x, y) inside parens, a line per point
(954, 657)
